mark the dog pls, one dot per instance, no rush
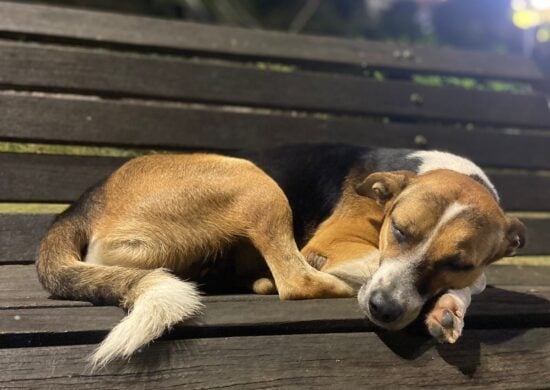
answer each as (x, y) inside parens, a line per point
(399, 226)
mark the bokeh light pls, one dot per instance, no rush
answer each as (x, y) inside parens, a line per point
(530, 13)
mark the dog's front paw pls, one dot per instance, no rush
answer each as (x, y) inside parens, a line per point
(446, 320)
(313, 284)
(264, 286)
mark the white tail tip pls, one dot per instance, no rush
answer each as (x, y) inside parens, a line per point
(165, 301)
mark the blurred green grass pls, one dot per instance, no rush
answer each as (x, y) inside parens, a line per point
(74, 150)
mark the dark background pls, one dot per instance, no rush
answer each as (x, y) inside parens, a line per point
(467, 24)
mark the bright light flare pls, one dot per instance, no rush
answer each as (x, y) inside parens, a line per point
(519, 5)
(527, 19)
(540, 5)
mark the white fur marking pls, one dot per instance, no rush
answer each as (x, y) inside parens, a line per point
(450, 213)
(432, 160)
(169, 301)
(92, 255)
(359, 271)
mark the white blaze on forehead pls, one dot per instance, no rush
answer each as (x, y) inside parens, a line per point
(452, 211)
(432, 160)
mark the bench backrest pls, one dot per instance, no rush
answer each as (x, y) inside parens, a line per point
(97, 80)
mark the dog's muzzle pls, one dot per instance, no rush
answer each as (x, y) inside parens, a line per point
(383, 308)
(389, 299)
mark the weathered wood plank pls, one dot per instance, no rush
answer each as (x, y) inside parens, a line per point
(19, 286)
(46, 178)
(481, 359)
(120, 74)
(495, 308)
(518, 275)
(51, 178)
(64, 119)
(512, 186)
(171, 36)
(20, 235)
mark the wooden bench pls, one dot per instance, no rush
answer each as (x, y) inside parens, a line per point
(81, 92)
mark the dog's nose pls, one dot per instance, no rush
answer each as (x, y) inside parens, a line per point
(383, 308)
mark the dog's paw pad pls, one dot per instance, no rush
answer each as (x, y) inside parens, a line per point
(445, 325)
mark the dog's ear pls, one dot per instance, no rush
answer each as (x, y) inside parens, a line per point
(515, 236)
(383, 186)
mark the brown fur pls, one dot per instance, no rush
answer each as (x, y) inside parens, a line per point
(351, 232)
(173, 211)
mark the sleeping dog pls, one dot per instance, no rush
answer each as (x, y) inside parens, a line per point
(399, 226)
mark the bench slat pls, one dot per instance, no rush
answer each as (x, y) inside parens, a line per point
(353, 360)
(21, 290)
(165, 35)
(163, 125)
(495, 308)
(21, 233)
(118, 74)
(48, 178)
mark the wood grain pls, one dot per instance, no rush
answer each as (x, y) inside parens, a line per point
(20, 235)
(118, 74)
(19, 286)
(47, 178)
(481, 359)
(28, 177)
(495, 308)
(107, 29)
(153, 124)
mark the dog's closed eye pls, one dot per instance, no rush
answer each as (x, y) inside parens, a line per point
(399, 233)
(454, 264)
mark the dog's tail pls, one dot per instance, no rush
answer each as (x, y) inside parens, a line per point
(156, 300)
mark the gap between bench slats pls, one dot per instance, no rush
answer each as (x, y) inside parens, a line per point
(165, 35)
(165, 125)
(117, 74)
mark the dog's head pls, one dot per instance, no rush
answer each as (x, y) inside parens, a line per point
(440, 230)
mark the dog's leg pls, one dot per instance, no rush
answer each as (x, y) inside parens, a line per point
(446, 320)
(293, 276)
(269, 221)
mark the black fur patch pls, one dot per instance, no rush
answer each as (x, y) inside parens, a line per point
(311, 177)
(386, 159)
